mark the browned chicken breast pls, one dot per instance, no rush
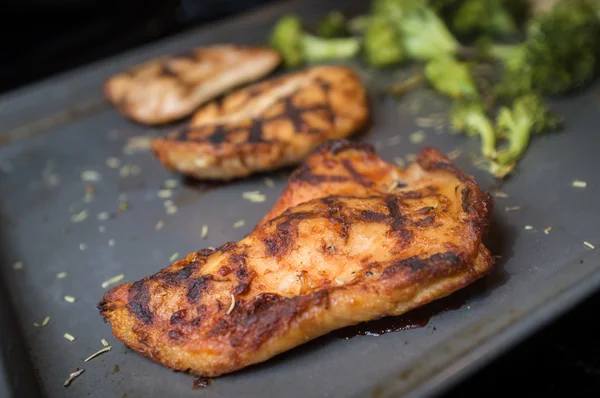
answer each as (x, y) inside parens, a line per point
(170, 88)
(268, 125)
(367, 240)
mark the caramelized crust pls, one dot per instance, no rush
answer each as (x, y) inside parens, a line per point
(347, 244)
(170, 88)
(268, 125)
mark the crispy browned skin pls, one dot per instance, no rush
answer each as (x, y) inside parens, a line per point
(363, 250)
(170, 88)
(268, 125)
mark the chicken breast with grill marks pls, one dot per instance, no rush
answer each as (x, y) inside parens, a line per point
(353, 239)
(268, 125)
(173, 87)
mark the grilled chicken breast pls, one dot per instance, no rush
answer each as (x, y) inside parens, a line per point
(362, 239)
(268, 125)
(170, 88)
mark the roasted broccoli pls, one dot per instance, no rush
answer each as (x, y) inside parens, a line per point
(287, 39)
(315, 49)
(469, 117)
(382, 45)
(333, 25)
(560, 53)
(451, 77)
(296, 46)
(423, 33)
(493, 17)
(527, 116)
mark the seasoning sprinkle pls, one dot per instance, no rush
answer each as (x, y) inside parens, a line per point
(528, 227)
(239, 224)
(417, 137)
(588, 244)
(171, 184)
(72, 377)
(395, 140)
(579, 184)
(113, 163)
(165, 193)
(69, 337)
(104, 342)
(18, 265)
(410, 157)
(103, 216)
(512, 208)
(102, 229)
(36, 325)
(455, 154)
(46, 321)
(254, 196)
(232, 306)
(112, 281)
(204, 232)
(547, 230)
(393, 185)
(159, 225)
(90, 176)
(269, 182)
(70, 299)
(79, 217)
(94, 355)
(400, 162)
(111, 242)
(123, 206)
(174, 256)
(82, 247)
(61, 275)
(502, 195)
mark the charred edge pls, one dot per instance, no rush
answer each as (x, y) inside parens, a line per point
(425, 210)
(305, 174)
(258, 320)
(425, 222)
(224, 271)
(373, 216)
(103, 307)
(175, 334)
(238, 262)
(197, 286)
(391, 202)
(416, 264)
(138, 304)
(205, 252)
(355, 174)
(226, 247)
(178, 317)
(335, 147)
(174, 278)
(466, 196)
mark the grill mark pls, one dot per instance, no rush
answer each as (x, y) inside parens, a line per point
(425, 222)
(335, 215)
(355, 174)
(373, 216)
(338, 146)
(138, 304)
(241, 289)
(305, 174)
(287, 231)
(443, 262)
(178, 317)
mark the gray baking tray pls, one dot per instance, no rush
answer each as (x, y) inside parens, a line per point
(52, 132)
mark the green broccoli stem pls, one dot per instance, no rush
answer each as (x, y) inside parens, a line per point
(317, 49)
(517, 143)
(486, 132)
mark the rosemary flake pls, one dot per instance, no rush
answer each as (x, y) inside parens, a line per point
(254, 196)
(170, 184)
(18, 265)
(99, 352)
(512, 208)
(269, 182)
(500, 194)
(46, 321)
(528, 227)
(112, 281)
(79, 217)
(547, 230)
(72, 377)
(69, 299)
(579, 184)
(61, 275)
(588, 244)
(159, 225)
(204, 232)
(174, 257)
(104, 342)
(69, 337)
(232, 306)
(239, 224)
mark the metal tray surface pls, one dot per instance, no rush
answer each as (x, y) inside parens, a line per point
(55, 131)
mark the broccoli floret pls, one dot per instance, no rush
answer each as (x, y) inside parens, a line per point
(488, 16)
(451, 77)
(286, 38)
(560, 53)
(527, 116)
(469, 117)
(382, 44)
(315, 49)
(333, 25)
(296, 46)
(423, 33)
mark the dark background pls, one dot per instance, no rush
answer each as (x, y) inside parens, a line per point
(43, 37)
